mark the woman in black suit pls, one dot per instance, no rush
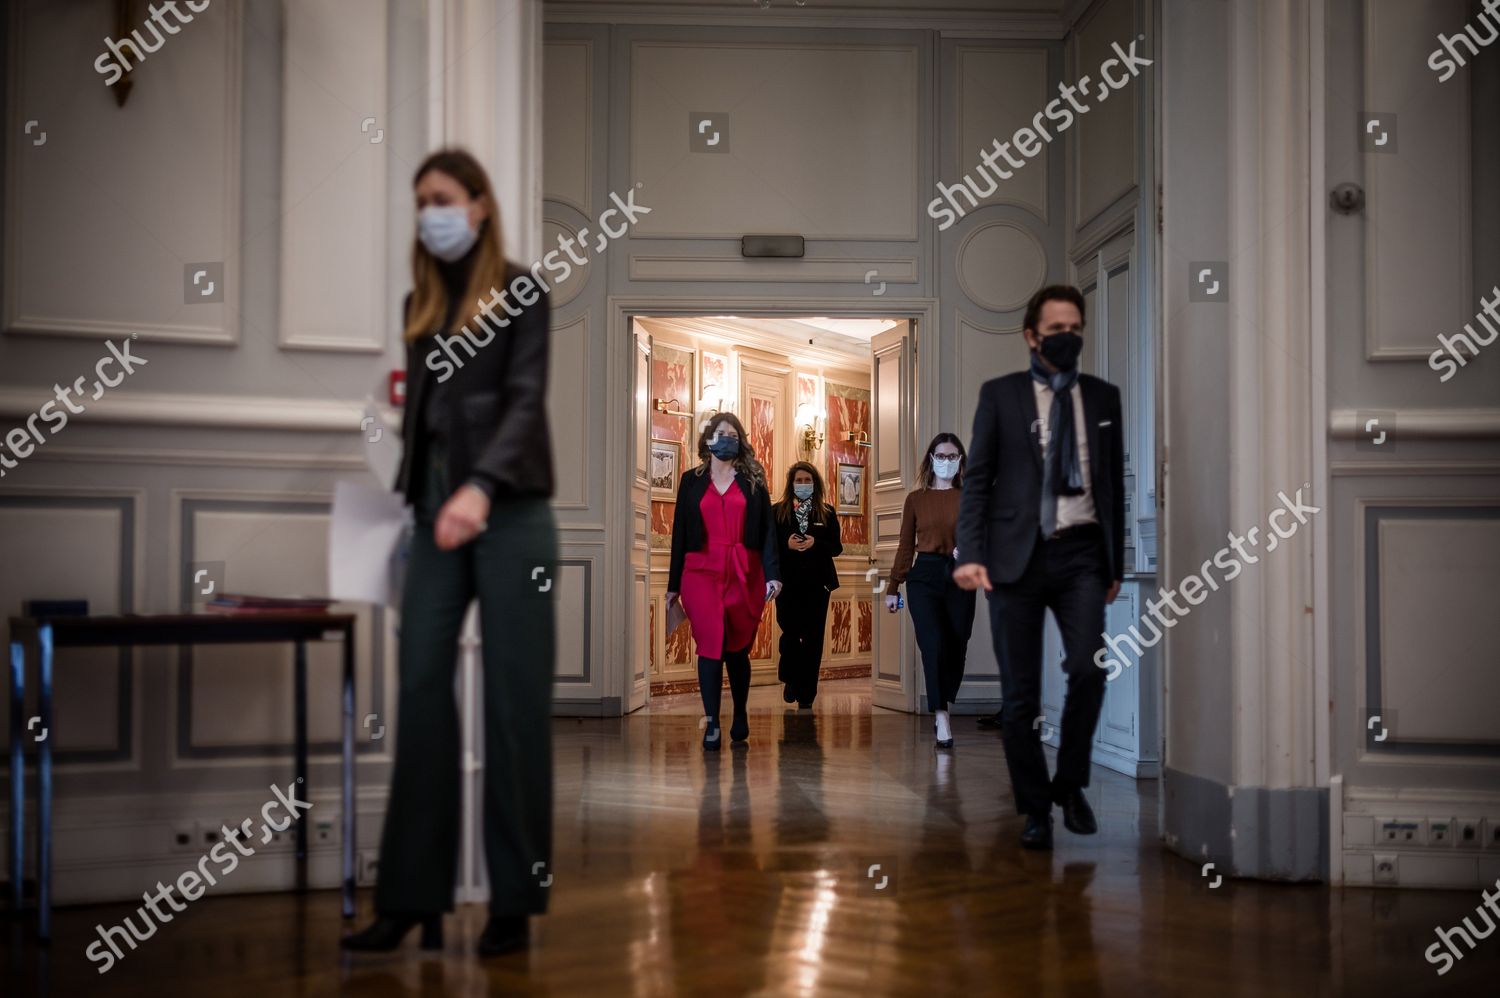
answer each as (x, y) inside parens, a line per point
(724, 565)
(477, 468)
(807, 536)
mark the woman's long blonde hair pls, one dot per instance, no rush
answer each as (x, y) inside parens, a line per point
(744, 462)
(429, 297)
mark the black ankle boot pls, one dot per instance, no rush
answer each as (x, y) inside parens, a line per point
(504, 934)
(388, 930)
(740, 729)
(713, 738)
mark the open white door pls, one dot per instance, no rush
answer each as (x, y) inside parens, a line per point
(892, 682)
(638, 634)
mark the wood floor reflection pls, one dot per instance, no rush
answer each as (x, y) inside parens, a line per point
(755, 872)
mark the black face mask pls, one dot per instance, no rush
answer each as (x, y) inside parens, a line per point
(1061, 350)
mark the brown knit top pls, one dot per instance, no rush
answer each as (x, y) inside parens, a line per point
(929, 522)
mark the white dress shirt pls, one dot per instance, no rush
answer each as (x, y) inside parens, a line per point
(1071, 510)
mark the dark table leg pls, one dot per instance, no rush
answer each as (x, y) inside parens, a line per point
(44, 790)
(300, 827)
(349, 805)
(17, 774)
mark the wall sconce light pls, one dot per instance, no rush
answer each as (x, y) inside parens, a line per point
(808, 418)
(860, 439)
(665, 406)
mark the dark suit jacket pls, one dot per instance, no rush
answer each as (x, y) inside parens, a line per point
(999, 518)
(687, 525)
(497, 405)
(815, 565)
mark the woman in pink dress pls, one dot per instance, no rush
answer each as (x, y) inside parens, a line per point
(724, 565)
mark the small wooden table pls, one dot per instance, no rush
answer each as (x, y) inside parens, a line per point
(45, 634)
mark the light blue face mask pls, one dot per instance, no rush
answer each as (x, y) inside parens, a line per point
(945, 468)
(803, 492)
(445, 231)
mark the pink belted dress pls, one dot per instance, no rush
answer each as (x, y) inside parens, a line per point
(723, 585)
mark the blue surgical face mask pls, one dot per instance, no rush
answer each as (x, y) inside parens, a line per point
(945, 468)
(724, 448)
(803, 492)
(445, 231)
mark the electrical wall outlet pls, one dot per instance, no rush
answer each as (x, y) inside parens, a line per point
(1491, 833)
(1468, 833)
(366, 866)
(1440, 831)
(1402, 831)
(1387, 868)
(325, 833)
(184, 837)
(209, 835)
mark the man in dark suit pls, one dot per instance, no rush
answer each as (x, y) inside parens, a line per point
(1042, 525)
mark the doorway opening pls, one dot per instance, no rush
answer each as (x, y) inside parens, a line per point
(806, 388)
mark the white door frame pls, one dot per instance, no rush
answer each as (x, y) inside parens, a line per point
(622, 310)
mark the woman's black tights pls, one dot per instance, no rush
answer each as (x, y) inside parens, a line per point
(711, 681)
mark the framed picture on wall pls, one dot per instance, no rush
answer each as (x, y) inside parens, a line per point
(850, 488)
(666, 468)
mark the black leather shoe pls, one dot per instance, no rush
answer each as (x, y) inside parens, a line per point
(387, 932)
(713, 738)
(740, 729)
(787, 695)
(1078, 817)
(1038, 832)
(504, 934)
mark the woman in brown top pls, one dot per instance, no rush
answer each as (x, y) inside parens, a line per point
(941, 612)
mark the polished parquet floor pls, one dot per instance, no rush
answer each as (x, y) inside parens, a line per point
(744, 873)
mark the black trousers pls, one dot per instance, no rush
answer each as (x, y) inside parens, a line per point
(517, 616)
(802, 613)
(943, 616)
(1067, 576)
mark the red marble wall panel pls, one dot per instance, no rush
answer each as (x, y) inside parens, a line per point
(849, 411)
(842, 629)
(866, 625)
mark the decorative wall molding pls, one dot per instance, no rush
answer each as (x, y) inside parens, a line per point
(242, 412)
(1472, 423)
(226, 333)
(955, 19)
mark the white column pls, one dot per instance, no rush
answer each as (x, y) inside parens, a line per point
(1272, 420)
(485, 71)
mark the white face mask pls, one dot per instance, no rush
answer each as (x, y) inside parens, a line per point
(445, 231)
(945, 468)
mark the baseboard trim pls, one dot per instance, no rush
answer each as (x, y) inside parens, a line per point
(1266, 833)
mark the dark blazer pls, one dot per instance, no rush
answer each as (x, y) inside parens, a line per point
(687, 525)
(814, 566)
(999, 516)
(496, 402)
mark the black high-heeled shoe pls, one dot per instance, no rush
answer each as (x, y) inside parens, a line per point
(388, 930)
(504, 934)
(713, 738)
(740, 729)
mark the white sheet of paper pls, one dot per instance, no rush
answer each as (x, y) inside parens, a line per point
(364, 539)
